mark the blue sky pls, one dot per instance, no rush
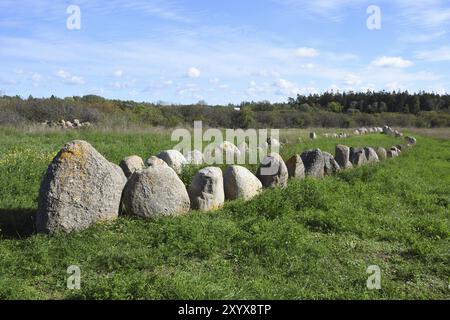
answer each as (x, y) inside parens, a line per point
(182, 51)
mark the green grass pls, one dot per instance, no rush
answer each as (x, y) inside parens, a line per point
(312, 240)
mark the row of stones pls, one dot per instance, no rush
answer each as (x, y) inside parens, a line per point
(81, 187)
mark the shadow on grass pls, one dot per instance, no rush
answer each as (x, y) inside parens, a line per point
(17, 223)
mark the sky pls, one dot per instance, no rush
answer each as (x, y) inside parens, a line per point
(222, 51)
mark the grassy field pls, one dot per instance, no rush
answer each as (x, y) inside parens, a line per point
(312, 240)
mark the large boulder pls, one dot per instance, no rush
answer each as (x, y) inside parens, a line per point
(392, 153)
(357, 156)
(410, 140)
(314, 163)
(240, 183)
(206, 190)
(295, 167)
(330, 164)
(273, 171)
(174, 159)
(381, 152)
(371, 155)
(342, 156)
(273, 143)
(155, 191)
(194, 157)
(131, 164)
(154, 161)
(80, 188)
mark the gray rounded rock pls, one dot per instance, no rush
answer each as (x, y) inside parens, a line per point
(240, 183)
(342, 156)
(80, 188)
(330, 164)
(314, 163)
(371, 155)
(410, 140)
(154, 161)
(131, 164)
(358, 156)
(381, 152)
(295, 167)
(272, 171)
(174, 159)
(206, 190)
(155, 191)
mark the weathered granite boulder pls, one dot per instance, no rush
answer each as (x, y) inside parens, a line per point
(330, 164)
(342, 156)
(410, 140)
(206, 191)
(371, 155)
(131, 164)
(272, 171)
(357, 156)
(381, 152)
(174, 159)
(240, 183)
(80, 188)
(314, 163)
(295, 167)
(154, 161)
(392, 153)
(155, 191)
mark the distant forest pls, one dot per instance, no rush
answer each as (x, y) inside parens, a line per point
(329, 109)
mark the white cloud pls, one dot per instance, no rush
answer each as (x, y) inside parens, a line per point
(394, 62)
(394, 86)
(285, 87)
(68, 78)
(36, 78)
(305, 52)
(352, 79)
(436, 55)
(193, 72)
(214, 81)
(118, 73)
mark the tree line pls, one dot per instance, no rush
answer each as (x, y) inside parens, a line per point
(339, 110)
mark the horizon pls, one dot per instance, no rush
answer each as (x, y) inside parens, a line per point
(181, 52)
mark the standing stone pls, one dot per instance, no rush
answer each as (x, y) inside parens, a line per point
(131, 164)
(342, 156)
(381, 152)
(371, 155)
(410, 140)
(154, 161)
(357, 156)
(295, 167)
(155, 191)
(174, 159)
(194, 157)
(392, 153)
(274, 143)
(330, 164)
(314, 163)
(206, 191)
(273, 171)
(396, 150)
(80, 188)
(312, 135)
(240, 183)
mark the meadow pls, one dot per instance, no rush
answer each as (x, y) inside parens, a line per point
(312, 240)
